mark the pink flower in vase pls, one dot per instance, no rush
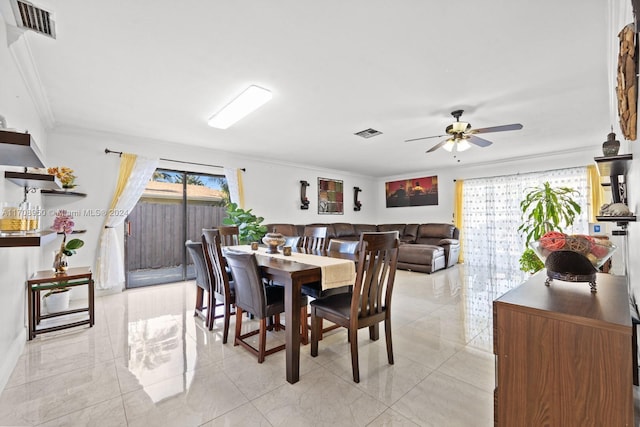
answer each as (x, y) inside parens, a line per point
(63, 222)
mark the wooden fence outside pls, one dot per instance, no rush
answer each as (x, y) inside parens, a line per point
(157, 239)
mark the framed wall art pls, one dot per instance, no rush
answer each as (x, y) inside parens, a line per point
(412, 192)
(330, 196)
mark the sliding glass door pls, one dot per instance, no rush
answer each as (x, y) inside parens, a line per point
(175, 207)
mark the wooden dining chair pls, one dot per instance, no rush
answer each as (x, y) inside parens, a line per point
(202, 282)
(254, 297)
(315, 290)
(229, 235)
(370, 301)
(343, 246)
(223, 288)
(314, 238)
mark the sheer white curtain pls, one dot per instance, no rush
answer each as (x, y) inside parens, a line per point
(234, 181)
(132, 181)
(491, 214)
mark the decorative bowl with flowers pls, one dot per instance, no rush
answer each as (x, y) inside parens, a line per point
(596, 250)
(573, 258)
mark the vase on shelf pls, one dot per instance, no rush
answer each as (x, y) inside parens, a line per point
(611, 146)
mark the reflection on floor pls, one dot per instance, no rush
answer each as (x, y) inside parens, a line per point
(149, 362)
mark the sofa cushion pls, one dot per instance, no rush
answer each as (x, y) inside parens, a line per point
(284, 229)
(419, 254)
(343, 229)
(361, 228)
(392, 227)
(441, 231)
(410, 233)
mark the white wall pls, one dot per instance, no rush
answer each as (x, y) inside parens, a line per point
(16, 264)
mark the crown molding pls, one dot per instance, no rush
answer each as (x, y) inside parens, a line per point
(23, 58)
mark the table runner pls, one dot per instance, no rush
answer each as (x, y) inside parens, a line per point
(336, 272)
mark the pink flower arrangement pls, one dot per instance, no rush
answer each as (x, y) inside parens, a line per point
(63, 222)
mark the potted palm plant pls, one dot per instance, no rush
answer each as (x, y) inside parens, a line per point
(545, 209)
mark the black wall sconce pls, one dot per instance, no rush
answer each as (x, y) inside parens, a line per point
(357, 205)
(303, 195)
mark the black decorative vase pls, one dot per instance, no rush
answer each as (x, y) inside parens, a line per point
(611, 146)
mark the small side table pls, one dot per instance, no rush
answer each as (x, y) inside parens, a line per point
(48, 280)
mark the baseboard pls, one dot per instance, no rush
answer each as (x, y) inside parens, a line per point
(9, 360)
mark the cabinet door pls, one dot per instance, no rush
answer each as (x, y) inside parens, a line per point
(595, 385)
(553, 372)
(525, 368)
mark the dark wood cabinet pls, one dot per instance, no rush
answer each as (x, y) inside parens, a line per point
(563, 354)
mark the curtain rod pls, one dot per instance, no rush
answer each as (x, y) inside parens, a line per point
(119, 153)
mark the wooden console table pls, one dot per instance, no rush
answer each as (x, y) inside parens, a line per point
(48, 280)
(563, 354)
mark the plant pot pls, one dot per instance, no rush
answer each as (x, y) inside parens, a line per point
(57, 301)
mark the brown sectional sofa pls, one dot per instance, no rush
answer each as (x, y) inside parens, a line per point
(424, 247)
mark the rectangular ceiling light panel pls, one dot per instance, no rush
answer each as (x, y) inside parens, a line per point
(248, 101)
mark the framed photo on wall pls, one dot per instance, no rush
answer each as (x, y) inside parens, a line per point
(330, 196)
(412, 192)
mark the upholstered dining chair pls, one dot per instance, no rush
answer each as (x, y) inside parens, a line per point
(202, 281)
(229, 235)
(314, 237)
(370, 300)
(292, 241)
(343, 246)
(223, 288)
(254, 297)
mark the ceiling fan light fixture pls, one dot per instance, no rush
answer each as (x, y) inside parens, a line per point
(449, 145)
(248, 101)
(459, 127)
(463, 145)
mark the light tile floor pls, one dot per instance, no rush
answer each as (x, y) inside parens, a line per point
(149, 362)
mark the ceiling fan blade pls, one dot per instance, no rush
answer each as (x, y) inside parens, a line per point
(514, 126)
(480, 142)
(424, 137)
(438, 145)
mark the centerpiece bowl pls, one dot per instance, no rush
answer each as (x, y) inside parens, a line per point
(572, 258)
(273, 240)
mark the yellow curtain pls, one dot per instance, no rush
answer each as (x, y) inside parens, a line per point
(457, 214)
(127, 161)
(240, 188)
(596, 195)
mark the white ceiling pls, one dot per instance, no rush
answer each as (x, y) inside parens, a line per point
(159, 69)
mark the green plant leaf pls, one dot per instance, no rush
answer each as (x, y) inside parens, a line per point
(74, 244)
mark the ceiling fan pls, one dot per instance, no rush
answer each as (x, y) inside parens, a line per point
(460, 135)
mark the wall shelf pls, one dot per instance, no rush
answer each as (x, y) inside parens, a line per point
(75, 232)
(19, 149)
(62, 193)
(626, 218)
(613, 165)
(34, 239)
(33, 180)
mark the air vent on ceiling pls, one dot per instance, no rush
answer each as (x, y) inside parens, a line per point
(33, 18)
(368, 133)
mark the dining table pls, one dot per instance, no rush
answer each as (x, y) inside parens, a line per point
(303, 266)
